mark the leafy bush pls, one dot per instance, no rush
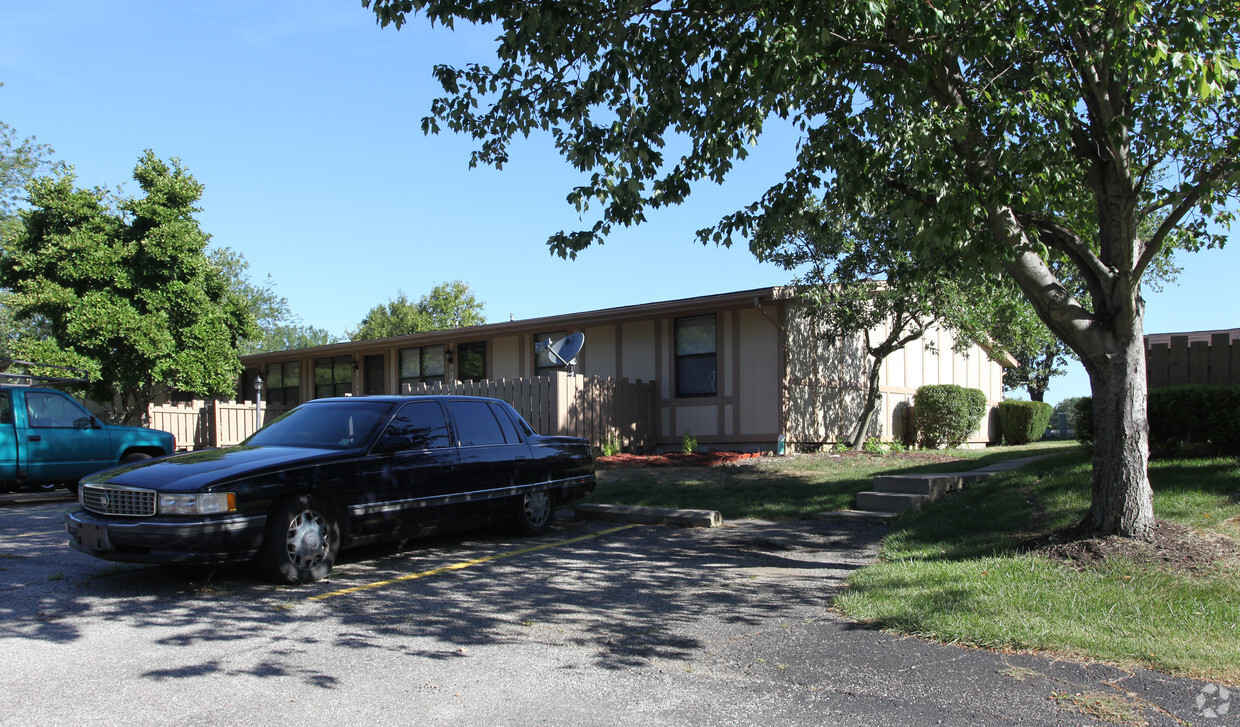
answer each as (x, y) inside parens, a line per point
(688, 443)
(947, 414)
(1195, 417)
(1024, 421)
(874, 445)
(1083, 420)
(1199, 417)
(610, 445)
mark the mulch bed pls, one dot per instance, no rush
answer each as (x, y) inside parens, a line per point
(1174, 546)
(675, 459)
(712, 459)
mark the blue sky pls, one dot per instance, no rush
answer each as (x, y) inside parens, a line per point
(302, 118)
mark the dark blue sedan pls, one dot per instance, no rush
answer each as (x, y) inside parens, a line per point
(333, 473)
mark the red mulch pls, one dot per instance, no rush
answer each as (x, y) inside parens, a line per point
(674, 459)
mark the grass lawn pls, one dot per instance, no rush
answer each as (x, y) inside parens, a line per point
(787, 488)
(958, 571)
(955, 572)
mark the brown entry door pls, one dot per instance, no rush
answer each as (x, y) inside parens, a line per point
(374, 375)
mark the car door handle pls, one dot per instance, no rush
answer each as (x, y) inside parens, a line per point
(34, 438)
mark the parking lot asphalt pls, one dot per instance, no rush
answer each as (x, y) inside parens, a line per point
(592, 624)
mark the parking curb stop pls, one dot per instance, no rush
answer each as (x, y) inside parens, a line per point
(648, 515)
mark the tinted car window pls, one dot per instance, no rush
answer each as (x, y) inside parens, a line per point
(475, 424)
(417, 426)
(329, 425)
(505, 423)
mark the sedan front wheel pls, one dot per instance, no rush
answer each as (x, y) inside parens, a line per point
(302, 540)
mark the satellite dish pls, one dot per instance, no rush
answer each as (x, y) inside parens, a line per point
(564, 350)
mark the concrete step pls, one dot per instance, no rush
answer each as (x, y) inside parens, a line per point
(890, 501)
(933, 485)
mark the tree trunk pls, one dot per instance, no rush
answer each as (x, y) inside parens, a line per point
(857, 438)
(1122, 500)
(1035, 394)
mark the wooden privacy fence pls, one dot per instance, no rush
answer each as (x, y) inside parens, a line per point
(1216, 361)
(592, 407)
(201, 424)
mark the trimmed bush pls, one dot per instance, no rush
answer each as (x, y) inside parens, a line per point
(1195, 417)
(1083, 420)
(947, 414)
(1188, 418)
(1024, 421)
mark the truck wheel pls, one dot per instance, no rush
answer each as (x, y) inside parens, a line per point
(535, 512)
(301, 542)
(134, 457)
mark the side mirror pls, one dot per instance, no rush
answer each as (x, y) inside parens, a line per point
(94, 422)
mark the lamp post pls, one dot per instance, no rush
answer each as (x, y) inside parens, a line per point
(258, 402)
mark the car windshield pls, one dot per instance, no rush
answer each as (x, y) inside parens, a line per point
(328, 425)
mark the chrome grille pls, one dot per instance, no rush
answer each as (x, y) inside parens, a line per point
(115, 500)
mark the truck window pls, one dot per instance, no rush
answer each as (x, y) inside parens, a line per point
(6, 407)
(50, 410)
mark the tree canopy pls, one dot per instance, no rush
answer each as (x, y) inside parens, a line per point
(447, 305)
(1016, 132)
(124, 288)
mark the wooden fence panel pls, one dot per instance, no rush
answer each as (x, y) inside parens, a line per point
(1216, 361)
(563, 404)
(1220, 358)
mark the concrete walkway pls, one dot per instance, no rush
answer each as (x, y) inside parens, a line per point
(894, 494)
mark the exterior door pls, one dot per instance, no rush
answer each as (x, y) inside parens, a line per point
(412, 471)
(62, 444)
(8, 439)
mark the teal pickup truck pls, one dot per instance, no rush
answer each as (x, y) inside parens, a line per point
(48, 439)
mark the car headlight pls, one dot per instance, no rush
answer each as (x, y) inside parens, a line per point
(198, 503)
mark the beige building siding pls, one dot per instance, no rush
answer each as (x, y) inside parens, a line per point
(504, 361)
(773, 375)
(827, 383)
(760, 366)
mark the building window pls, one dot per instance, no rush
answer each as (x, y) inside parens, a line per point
(544, 362)
(421, 365)
(283, 383)
(471, 361)
(333, 376)
(374, 374)
(696, 362)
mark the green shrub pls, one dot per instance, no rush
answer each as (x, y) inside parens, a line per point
(1024, 421)
(688, 443)
(1082, 416)
(1193, 418)
(610, 445)
(1197, 417)
(947, 414)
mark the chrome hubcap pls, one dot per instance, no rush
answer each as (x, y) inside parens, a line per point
(537, 507)
(307, 540)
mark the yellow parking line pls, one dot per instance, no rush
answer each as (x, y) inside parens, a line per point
(464, 564)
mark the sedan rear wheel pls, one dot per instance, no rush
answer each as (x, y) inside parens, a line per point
(302, 540)
(537, 510)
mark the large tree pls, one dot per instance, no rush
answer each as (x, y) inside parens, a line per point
(1015, 131)
(124, 288)
(21, 159)
(854, 285)
(447, 305)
